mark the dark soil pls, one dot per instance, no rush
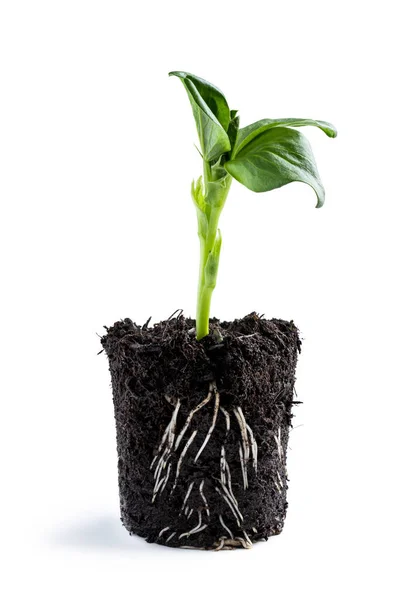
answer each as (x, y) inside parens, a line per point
(163, 370)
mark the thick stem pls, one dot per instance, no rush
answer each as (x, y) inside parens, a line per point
(210, 244)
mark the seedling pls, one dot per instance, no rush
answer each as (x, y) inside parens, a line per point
(263, 156)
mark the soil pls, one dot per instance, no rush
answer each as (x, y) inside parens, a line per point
(178, 485)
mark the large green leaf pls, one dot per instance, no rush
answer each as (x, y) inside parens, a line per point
(247, 134)
(274, 158)
(211, 114)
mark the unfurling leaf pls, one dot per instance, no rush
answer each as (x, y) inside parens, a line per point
(274, 158)
(211, 114)
(233, 128)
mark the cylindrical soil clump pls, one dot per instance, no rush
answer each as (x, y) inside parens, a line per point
(202, 428)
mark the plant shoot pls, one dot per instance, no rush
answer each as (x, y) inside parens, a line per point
(263, 156)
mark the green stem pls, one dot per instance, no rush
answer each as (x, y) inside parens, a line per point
(210, 243)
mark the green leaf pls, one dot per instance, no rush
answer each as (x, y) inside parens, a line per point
(274, 158)
(247, 134)
(233, 128)
(211, 114)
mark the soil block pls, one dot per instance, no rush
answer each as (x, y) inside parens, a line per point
(202, 428)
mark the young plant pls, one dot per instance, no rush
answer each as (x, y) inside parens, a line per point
(263, 156)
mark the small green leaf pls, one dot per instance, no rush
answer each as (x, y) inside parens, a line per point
(211, 114)
(233, 128)
(212, 263)
(247, 134)
(274, 158)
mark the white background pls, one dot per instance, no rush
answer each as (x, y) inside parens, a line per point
(97, 224)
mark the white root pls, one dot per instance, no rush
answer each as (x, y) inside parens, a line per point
(201, 491)
(244, 543)
(254, 530)
(158, 481)
(247, 537)
(225, 526)
(171, 536)
(168, 439)
(223, 465)
(160, 534)
(165, 435)
(180, 461)
(277, 486)
(230, 505)
(190, 513)
(243, 426)
(172, 428)
(279, 446)
(159, 465)
(280, 480)
(254, 448)
(243, 467)
(229, 484)
(244, 450)
(166, 479)
(235, 543)
(221, 544)
(226, 478)
(186, 497)
(169, 432)
(199, 527)
(192, 413)
(227, 416)
(234, 502)
(215, 414)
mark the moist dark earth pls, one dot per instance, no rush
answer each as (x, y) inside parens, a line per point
(202, 428)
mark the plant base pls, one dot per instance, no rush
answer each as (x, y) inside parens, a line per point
(202, 429)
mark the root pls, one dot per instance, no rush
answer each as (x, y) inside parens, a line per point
(169, 432)
(167, 439)
(230, 544)
(184, 451)
(212, 427)
(247, 448)
(221, 543)
(227, 416)
(160, 534)
(187, 495)
(244, 543)
(166, 479)
(243, 426)
(225, 477)
(254, 448)
(192, 413)
(223, 465)
(277, 486)
(196, 529)
(279, 446)
(201, 488)
(244, 450)
(225, 526)
(247, 538)
(243, 467)
(236, 513)
(228, 475)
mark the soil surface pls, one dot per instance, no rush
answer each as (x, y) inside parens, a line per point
(202, 428)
